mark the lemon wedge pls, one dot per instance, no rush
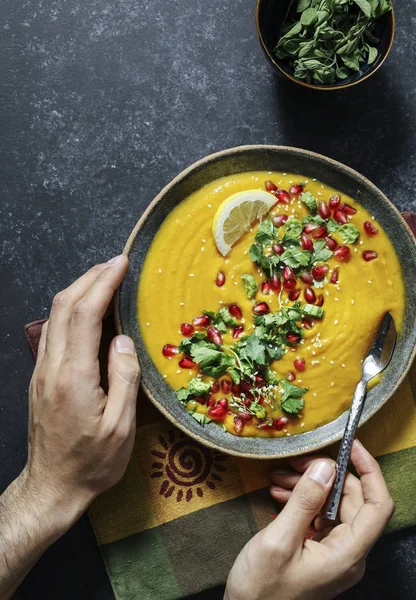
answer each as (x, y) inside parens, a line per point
(235, 215)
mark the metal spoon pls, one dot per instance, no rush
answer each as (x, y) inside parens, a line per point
(375, 362)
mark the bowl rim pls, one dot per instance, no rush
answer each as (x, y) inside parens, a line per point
(325, 88)
(129, 246)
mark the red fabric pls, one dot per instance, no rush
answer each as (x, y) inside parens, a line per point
(33, 330)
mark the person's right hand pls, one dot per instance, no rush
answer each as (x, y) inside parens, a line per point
(280, 564)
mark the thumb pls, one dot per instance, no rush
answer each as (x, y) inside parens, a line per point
(123, 380)
(305, 502)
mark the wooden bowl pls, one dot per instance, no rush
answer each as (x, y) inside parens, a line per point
(270, 15)
(266, 158)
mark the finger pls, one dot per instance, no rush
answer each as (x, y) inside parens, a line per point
(42, 343)
(378, 506)
(86, 325)
(62, 309)
(304, 504)
(286, 479)
(280, 494)
(301, 463)
(124, 380)
(352, 500)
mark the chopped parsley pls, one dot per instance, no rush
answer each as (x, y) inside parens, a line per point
(250, 285)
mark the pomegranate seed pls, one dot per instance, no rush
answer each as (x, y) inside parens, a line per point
(265, 288)
(323, 209)
(226, 386)
(342, 253)
(215, 387)
(309, 227)
(334, 276)
(187, 329)
(281, 423)
(320, 301)
(245, 387)
(289, 284)
(369, 255)
(220, 279)
(238, 331)
(212, 402)
(265, 424)
(296, 189)
(247, 402)
(200, 399)
(170, 350)
(334, 201)
(214, 335)
(244, 416)
(236, 390)
(340, 216)
(369, 228)
(294, 295)
(201, 321)
(275, 282)
(321, 232)
(319, 272)
(287, 273)
(260, 380)
(238, 425)
(270, 187)
(283, 196)
(309, 295)
(280, 220)
(300, 364)
(278, 249)
(217, 413)
(331, 243)
(307, 324)
(291, 376)
(223, 402)
(306, 242)
(306, 278)
(293, 338)
(348, 209)
(261, 308)
(187, 363)
(235, 311)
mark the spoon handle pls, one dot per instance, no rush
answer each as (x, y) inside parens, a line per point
(345, 449)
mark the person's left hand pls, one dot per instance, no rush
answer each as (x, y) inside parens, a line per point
(80, 439)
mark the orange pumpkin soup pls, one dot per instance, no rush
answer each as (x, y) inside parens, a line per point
(268, 340)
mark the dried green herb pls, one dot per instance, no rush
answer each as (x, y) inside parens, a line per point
(325, 41)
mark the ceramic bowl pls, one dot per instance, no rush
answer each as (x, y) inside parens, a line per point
(266, 158)
(270, 15)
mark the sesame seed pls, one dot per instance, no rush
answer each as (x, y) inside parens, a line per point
(220, 302)
(355, 249)
(352, 301)
(291, 181)
(243, 320)
(326, 292)
(245, 252)
(205, 241)
(178, 371)
(302, 425)
(338, 288)
(191, 275)
(227, 261)
(182, 304)
(336, 299)
(332, 383)
(164, 376)
(314, 394)
(336, 322)
(322, 186)
(209, 205)
(284, 174)
(288, 434)
(160, 270)
(319, 194)
(299, 380)
(373, 217)
(314, 179)
(369, 281)
(361, 242)
(251, 229)
(202, 249)
(148, 324)
(235, 283)
(332, 362)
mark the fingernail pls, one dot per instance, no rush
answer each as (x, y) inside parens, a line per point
(116, 260)
(321, 472)
(125, 345)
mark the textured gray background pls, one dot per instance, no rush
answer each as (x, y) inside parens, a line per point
(101, 104)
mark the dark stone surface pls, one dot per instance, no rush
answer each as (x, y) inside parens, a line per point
(102, 103)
